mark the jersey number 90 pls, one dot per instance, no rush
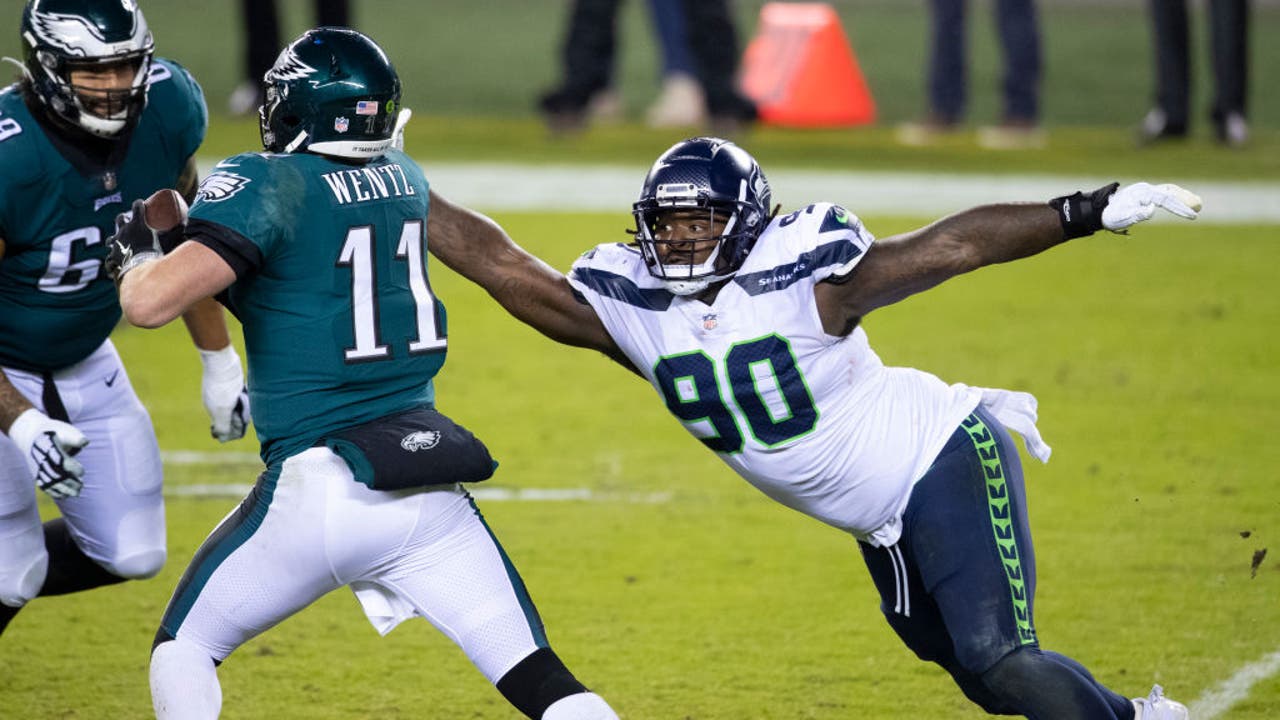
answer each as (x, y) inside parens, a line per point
(770, 396)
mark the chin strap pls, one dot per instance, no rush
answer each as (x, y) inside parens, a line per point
(296, 142)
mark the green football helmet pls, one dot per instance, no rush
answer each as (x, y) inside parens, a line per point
(331, 92)
(59, 36)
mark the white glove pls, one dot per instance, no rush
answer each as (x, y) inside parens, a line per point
(223, 392)
(1134, 203)
(397, 134)
(49, 446)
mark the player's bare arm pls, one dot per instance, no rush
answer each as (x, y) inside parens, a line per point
(481, 251)
(12, 403)
(156, 292)
(903, 265)
(189, 181)
(205, 320)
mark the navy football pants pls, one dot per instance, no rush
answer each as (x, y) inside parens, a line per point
(958, 586)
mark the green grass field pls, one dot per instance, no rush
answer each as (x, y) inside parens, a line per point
(682, 593)
(677, 591)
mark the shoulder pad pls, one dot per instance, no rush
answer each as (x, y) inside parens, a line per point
(817, 241)
(615, 257)
(20, 156)
(231, 176)
(177, 102)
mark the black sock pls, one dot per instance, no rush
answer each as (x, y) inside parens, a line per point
(6, 614)
(70, 570)
(538, 681)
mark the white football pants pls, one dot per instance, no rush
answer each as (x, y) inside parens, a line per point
(118, 518)
(313, 529)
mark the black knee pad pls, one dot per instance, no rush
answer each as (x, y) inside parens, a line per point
(1014, 676)
(538, 681)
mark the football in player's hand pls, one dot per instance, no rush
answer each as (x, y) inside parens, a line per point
(165, 210)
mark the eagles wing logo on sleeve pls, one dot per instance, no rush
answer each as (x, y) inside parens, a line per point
(220, 185)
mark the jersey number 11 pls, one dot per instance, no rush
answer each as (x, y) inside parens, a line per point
(357, 252)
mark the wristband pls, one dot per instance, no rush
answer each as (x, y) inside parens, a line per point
(1081, 214)
(220, 364)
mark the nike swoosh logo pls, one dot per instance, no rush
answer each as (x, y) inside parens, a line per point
(112, 380)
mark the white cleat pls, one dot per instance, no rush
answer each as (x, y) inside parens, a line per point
(1158, 707)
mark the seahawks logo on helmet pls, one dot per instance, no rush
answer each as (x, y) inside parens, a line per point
(288, 67)
(420, 440)
(220, 185)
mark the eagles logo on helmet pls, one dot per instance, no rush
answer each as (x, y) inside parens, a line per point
(319, 83)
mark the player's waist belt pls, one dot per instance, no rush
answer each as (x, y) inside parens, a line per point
(415, 448)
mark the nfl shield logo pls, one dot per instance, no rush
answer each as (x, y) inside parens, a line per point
(709, 322)
(341, 124)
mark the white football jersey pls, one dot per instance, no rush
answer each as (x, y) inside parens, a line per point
(814, 421)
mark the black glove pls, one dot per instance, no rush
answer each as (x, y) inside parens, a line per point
(133, 243)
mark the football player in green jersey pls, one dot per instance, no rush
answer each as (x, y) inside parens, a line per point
(319, 246)
(95, 122)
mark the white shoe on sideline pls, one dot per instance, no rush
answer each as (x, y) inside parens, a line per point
(680, 104)
(1158, 707)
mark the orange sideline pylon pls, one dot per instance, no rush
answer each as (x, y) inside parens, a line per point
(800, 69)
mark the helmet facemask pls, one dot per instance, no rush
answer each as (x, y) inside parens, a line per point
(681, 272)
(106, 112)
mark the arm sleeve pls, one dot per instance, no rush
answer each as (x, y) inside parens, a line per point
(235, 249)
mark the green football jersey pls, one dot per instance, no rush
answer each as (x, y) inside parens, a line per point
(340, 323)
(56, 302)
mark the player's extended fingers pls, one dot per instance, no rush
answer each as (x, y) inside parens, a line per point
(1178, 200)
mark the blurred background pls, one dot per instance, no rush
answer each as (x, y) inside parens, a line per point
(488, 62)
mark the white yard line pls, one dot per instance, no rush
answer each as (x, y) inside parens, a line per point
(250, 462)
(496, 187)
(1220, 699)
(483, 494)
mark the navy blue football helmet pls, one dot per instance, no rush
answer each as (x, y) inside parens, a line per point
(59, 36)
(703, 173)
(332, 92)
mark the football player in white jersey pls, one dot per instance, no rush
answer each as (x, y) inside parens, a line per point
(748, 326)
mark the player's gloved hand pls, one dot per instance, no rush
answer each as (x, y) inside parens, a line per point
(50, 447)
(133, 243)
(1134, 203)
(223, 391)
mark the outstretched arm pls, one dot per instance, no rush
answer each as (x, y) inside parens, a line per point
(481, 251)
(903, 265)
